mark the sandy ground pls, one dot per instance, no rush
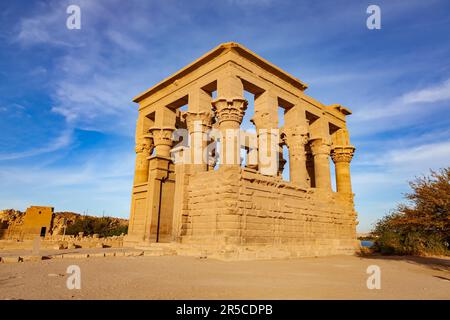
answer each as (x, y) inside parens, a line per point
(177, 277)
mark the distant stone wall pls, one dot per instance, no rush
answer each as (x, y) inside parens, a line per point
(237, 206)
(17, 225)
(64, 242)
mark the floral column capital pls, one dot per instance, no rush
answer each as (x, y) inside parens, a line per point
(229, 109)
(342, 153)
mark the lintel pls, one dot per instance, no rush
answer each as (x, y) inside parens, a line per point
(214, 53)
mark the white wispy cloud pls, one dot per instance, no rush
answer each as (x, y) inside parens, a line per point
(401, 112)
(124, 41)
(420, 157)
(439, 92)
(62, 141)
(92, 87)
(414, 160)
(97, 167)
(101, 181)
(406, 103)
(47, 27)
(381, 175)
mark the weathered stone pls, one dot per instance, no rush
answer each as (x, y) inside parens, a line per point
(134, 253)
(185, 200)
(76, 256)
(31, 258)
(97, 255)
(11, 259)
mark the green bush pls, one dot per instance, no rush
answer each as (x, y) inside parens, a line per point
(117, 231)
(104, 227)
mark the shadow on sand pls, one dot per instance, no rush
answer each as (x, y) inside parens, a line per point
(435, 263)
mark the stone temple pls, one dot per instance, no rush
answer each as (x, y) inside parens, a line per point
(202, 181)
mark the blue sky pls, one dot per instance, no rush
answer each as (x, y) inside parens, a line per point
(67, 120)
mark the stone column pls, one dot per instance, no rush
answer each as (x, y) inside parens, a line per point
(310, 167)
(296, 138)
(249, 142)
(229, 108)
(342, 155)
(281, 161)
(229, 113)
(265, 120)
(198, 124)
(159, 207)
(144, 148)
(212, 153)
(252, 158)
(182, 179)
(321, 153)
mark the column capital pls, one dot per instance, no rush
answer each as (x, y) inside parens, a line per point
(203, 118)
(263, 120)
(162, 138)
(320, 146)
(162, 135)
(295, 139)
(342, 153)
(144, 144)
(144, 147)
(229, 109)
(294, 135)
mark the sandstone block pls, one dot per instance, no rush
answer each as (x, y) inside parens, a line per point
(11, 259)
(31, 258)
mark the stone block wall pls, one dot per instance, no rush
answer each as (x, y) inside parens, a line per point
(237, 206)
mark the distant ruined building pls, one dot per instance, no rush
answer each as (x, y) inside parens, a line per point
(36, 222)
(199, 180)
(44, 222)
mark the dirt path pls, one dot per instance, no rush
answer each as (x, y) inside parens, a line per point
(176, 277)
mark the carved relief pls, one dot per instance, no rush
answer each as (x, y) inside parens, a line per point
(232, 109)
(320, 147)
(342, 154)
(295, 139)
(145, 145)
(162, 136)
(198, 121)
